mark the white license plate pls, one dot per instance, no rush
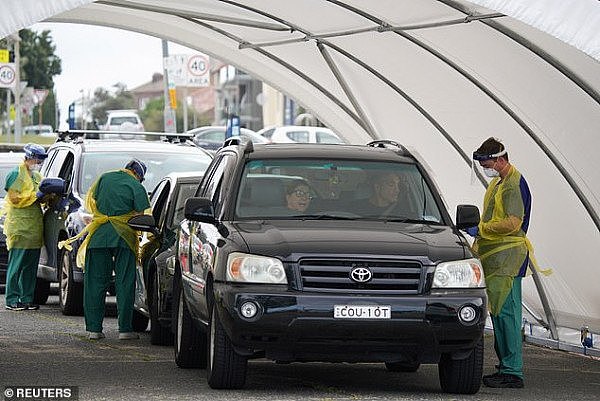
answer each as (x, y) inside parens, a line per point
(362, 312)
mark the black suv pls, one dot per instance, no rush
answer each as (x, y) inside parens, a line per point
(336, 280)
(80, 161)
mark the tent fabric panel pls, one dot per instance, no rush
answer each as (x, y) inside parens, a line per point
(531, 87)
(257, 35)
(18, 14)
(329, 17)
(574, 22)
(407, 12)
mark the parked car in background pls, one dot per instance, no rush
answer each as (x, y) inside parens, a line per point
(337, 280)
(123, 121)
(300, 134)
(155, 268)
(80, 162)
(41, 130)
(212, 137)
(8, 161)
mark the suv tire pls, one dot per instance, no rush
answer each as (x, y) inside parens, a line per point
(462, 376)
(159, 334)
(42, 291)
(226, 368)
(70, 293)
(402, 366)
(190, 343)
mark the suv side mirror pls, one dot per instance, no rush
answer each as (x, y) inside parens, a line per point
(466, 216)
(200, 209)
(143, 222)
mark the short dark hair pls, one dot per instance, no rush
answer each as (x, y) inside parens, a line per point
(291, 186)
(491, 146)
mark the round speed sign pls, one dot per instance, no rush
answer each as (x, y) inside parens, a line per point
(7, 75)
(197, 65)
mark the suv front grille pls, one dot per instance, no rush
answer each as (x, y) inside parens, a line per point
(388, 277)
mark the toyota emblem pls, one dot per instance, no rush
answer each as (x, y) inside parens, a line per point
(361, 274)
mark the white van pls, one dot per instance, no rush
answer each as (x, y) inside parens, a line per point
(300, 134)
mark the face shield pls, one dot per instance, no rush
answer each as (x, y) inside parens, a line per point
(480, 157)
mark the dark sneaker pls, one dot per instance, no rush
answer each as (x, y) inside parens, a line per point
(32, 306)
(503, 380)
(491, 376)
(16, 307)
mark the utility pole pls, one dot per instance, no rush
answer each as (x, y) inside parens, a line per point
(18, 111)
(168, 113)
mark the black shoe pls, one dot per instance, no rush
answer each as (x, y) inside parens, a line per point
(30, 306)
(493, 375)
(16, 307)
(503, 380)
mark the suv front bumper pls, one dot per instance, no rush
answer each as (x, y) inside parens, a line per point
(299, 326)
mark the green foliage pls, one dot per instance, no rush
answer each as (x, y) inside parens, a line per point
(153, 116)
(39, 64)
(103, 100)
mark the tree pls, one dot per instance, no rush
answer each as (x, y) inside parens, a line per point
(103, 100)
(153, 116)
(39, 65)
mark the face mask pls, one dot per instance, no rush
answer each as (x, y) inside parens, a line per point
(35, 167)
(490, 172)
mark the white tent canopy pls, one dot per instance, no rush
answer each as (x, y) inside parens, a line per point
(439, 76)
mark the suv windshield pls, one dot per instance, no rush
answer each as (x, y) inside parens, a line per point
(340, 189)
(158, 164)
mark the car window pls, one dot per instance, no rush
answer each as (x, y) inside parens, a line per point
(217, 136)
(155, 197)
(337, 188)
(158, 164)
(159, 207)
(326, 137)
(298, 136)
(124, 119)
(57, 164)
(185, 192)
(4, 170)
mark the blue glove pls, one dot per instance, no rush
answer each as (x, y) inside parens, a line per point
(39, 194)
(472, 231)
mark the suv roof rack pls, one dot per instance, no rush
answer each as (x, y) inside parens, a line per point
(388, 144)
(78, 135)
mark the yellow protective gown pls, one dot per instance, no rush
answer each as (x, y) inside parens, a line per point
(23, 225)
(502, 245)
(119, 223)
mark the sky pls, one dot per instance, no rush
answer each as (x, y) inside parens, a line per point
(94, 56)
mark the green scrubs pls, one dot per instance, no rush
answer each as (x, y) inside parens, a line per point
(117, 193)
(508, 342)
(24, 247)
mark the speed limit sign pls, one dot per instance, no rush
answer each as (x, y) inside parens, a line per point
(198, 65)
(7, 75)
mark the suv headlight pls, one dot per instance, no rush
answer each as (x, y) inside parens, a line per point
(245, 268)
(459, 274)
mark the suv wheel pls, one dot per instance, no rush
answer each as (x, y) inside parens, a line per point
(159, 334)
(226, 368)
(190, 343)
(462, 376)
(42, 291)
(70, 294)
(402, 366)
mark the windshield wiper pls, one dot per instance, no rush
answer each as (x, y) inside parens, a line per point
(323, 216)
(409, 220)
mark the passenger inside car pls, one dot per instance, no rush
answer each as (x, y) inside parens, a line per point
(297, 196)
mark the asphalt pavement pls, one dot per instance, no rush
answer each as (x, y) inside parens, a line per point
(45, 348)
